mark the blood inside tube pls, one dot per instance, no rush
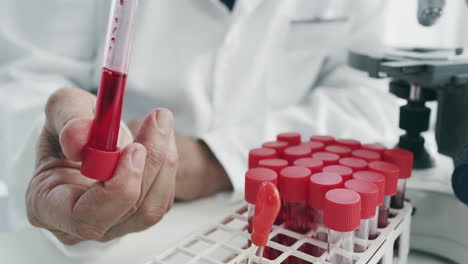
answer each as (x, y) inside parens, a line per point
(106, 125)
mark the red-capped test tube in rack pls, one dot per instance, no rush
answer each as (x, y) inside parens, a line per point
(292, 138)
(342, 217)
(101, 154)
(403, 159)
(369, 193)
(379, 180)
(277, 165)
(391, 173)
(326, 140)
(258, 154)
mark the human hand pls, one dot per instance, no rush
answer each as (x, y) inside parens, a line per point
(75, 208)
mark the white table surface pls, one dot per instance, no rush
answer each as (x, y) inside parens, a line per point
(30, 245)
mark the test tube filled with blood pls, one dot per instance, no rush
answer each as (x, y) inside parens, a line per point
(403, 159)
(326, 140)
(258, 154)
(101, 154)
(292, 138)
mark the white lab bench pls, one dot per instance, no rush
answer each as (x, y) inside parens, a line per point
(31, 246)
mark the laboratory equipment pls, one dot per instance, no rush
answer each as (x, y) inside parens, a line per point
(366, 155)
(342, 214)
(292, 138)
(341, 151)
(353, 163)
(258, 154)
(403, 159)
(391, 173)
(327, 158)
(273, 164)
(350, 143)
(314, 165)
(296, 152)
(379, 180)
(343, 171)
(267, 207)
(314, 146)
(369, 194)
(326, 140)
(101, 154)
(279, 146)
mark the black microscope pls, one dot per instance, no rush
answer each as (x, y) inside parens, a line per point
(421, 80)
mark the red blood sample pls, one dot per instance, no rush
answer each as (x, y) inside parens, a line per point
(101, 154)
(345, 172)
(296, 152)
(292, 138)
(293, 189)
(279, 146)
(366, 155)
(314, 146)
(319, 184)
(326, 140)
(402, 158)
(354, 163)
(341, 151)
(314, 165)
(258, 154)
(374, 177)
(391, 173)
(350, 143)
(374, 147)
(342, 210)
(327, 158)
(369, 193)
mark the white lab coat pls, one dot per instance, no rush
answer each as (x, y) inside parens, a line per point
(232, 79)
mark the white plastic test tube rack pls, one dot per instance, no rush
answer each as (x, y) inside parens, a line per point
(226, 242)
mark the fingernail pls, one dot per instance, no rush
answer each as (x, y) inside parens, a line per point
(164, 120)
(138, 159)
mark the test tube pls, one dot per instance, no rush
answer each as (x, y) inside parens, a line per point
(403, 159)
(341, 151)
(101, 154)
(277, 165)
(326, 140)
(319, 184)
(354, 163)
(292, 138)
(345, 172)
(374, 147)
(342, 217)
(253, 180)
(350, 143)
(369, 193)
(366, 155)
(279, 146)
(296, 152)
(327, 158)
(379, 180)
(314, 165)
(314, 146)
(391, 173)
(258, 154)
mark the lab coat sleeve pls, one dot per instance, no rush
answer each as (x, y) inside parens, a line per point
(326, 97)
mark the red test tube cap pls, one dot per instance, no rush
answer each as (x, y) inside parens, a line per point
(326, 140)
(273, 164)
(267, 209)
(402, 158)
(342, 211)
(292, 138)
(314, 165)
(345, 172)
(341, 151)
(375, 147)
(254, 179)
(376, 178)
(258, 154)
(350, 143)
(369, 193)
(279, 146)
(327, 158)
(292, 183)
(366, 155)
(99, 165)
(391, 173)
(354, 163)
(314, 146)
(296, 152)
(319, 185)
